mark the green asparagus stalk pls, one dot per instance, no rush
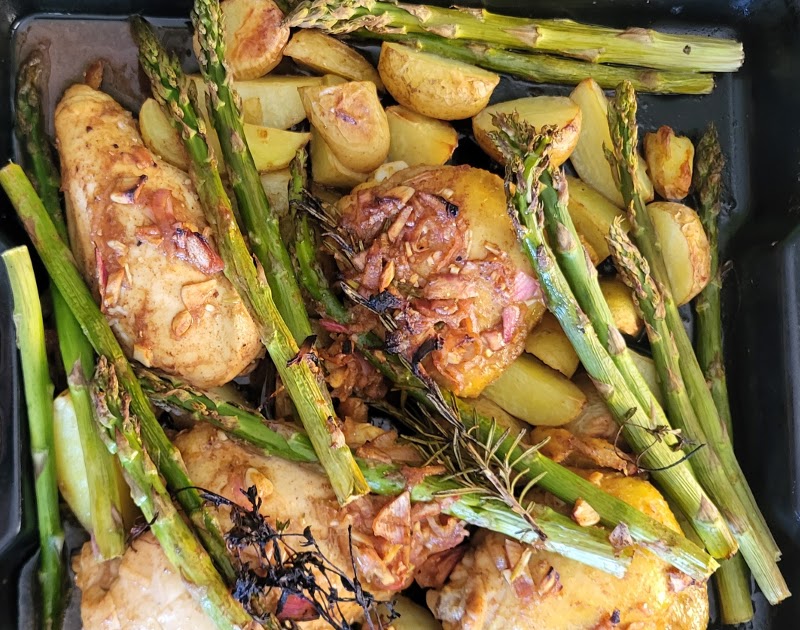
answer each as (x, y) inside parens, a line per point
(732, 579)
(305, 244)
(39, 400)
(76, 352)
(259, 219)
(705, 462)
(587, 545)
(596, 44)
(61, 267)
(623, 158)
(300, 375)
(582, 277)
(540, 68)
(120, 430)
(523, 150)
(709, 163)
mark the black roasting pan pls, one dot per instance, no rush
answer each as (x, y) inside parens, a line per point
(755, 110)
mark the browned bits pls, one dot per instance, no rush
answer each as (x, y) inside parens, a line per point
(584, 514)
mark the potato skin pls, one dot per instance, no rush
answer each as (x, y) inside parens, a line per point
(687, 254)
(539, 111)
(326, 169)
(418, 139)
(351, 120)
(160, 136)
(254, 37)
(670, 160)
(434, 86)
(327, 55)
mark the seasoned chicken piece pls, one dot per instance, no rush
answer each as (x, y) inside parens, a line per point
(498, 585)
(139, 236)
(300, 494)
(440, 240)
(135, 592)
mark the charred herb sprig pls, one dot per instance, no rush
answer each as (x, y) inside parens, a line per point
(120, 431)
(76, 352)
(259, 219)
(541, 68)
(468, 502)
(60, 265)
(623, 159)
(39, 401)
(563, 483)
(597, 44)
(305, 596)
(525, 153)
(732, 579)
(299, 373)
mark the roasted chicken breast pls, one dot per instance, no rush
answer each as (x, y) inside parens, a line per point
(499, 585)
(440, 241)
(139, 236)
(392, 539)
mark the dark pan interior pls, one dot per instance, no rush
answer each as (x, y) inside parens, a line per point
(755, 112)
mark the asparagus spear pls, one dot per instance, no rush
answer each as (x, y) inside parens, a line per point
(587, 545)
(120, 430)
(732, 580)
(705, 462)
(709, 163)
(541, 68)
(60, 264)
(299, 374)
(305, 244)
(524, 150)
(76, 352)
(623, 158)
(560, 481)
(597, 44)
(260, 221)
(39, 400)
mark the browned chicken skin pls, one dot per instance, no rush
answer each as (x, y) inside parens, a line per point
(440, 240)
(139, 236)
(391, 538)
(497, 586)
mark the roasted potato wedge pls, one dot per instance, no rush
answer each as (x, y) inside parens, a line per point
(540, 111)
(588, 157)
(432, 85)
(535, 393)
(670, 160)
(548, 343)
(684, 246)
(504, 420)
(273, 149)
(418, 139)
(160, 136)
(620, 300)
(326, 169)
(351, 120)
(327, 55)
(648, 371)
(592, 215)
(274, 101)
(595, 419)
(276, 187)
(71, 468)
(254, 37)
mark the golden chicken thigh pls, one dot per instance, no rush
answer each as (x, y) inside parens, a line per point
(498, 586)
(139, 236)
